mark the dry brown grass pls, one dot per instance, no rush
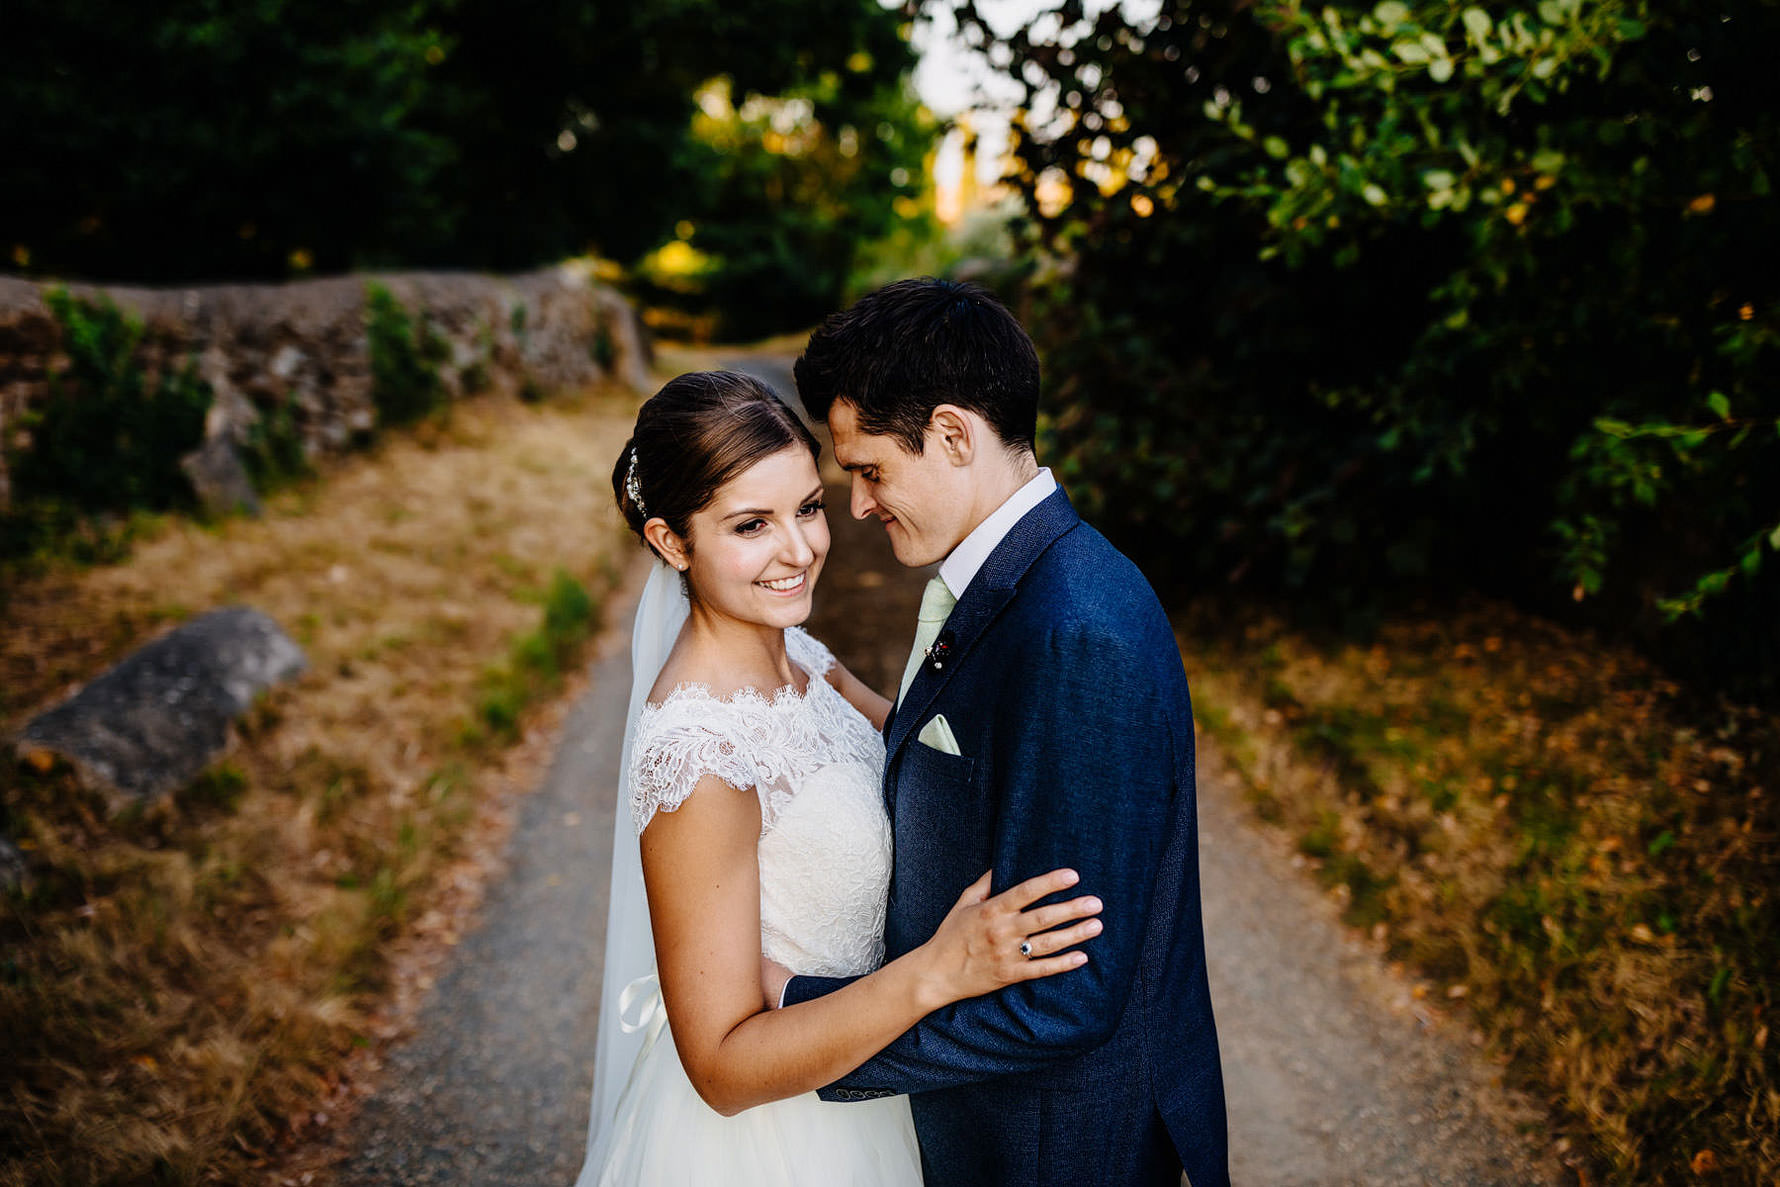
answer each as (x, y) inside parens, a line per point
(1555, 840)
(180, 984)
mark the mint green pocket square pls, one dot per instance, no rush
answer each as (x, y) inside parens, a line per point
(937, 733)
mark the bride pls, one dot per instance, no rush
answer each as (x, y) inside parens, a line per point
(752, 770)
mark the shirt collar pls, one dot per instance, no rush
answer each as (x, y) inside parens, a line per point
(960, 568)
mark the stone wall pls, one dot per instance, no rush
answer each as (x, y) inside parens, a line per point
(263, 347)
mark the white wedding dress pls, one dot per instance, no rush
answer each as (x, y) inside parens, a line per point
(816, 764)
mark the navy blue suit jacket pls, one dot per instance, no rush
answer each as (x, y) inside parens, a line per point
(1063, 687)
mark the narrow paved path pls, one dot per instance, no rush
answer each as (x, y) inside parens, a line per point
(1335, 1077)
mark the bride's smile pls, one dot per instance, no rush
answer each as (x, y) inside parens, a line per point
(787, 585)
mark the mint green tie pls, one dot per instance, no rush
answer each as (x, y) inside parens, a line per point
(936, 606)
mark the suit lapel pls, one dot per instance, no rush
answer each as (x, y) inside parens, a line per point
(989, 591)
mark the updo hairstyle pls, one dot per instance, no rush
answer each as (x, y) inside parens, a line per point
(695, 434)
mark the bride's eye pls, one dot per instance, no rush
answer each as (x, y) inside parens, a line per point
(810, 508)
(750, 527)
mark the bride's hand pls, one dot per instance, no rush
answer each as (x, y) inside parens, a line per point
(977, 948)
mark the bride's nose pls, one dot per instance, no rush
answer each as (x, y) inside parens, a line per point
(798, 551)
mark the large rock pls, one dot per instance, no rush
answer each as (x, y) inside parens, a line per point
(149, 725)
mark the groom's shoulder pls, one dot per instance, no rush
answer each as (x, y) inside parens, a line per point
(1083, 576)
(1083, 550)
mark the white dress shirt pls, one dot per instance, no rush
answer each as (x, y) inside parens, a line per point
(960, 568)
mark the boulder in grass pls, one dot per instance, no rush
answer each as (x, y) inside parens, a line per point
(149, 725)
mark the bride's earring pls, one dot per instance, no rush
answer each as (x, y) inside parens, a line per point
(670, 548)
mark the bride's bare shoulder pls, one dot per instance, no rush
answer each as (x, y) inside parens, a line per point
(703, 673)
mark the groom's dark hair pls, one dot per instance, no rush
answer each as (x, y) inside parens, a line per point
(909, 347)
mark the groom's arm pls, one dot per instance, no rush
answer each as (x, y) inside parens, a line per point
(1086, 781)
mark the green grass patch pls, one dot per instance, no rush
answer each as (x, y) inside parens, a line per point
(534, 663)
(219, 788)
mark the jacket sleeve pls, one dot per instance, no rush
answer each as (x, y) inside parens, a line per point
(1085, 779)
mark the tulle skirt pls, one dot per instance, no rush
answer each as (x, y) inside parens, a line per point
(665, 1136)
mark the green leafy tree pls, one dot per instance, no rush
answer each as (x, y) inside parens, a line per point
(1616, 138)
(574, 120)
(1360, 300)
(790, 190)
(197, 139)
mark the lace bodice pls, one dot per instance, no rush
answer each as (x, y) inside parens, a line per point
(816, 764)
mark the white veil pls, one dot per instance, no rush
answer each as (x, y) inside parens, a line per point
(630, 952)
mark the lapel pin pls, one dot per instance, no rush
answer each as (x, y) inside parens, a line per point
(940, 651)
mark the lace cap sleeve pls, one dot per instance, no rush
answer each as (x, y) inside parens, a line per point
(806, 652)
(679, 743)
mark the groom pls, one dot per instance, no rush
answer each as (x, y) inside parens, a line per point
(1042, 722)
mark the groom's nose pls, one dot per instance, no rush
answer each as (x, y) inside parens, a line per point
(862, 502)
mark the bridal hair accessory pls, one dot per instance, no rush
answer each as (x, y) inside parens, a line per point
(632, 487)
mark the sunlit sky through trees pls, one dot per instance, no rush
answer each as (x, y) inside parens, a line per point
(954, 78)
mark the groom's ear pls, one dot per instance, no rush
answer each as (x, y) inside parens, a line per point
(955, 432)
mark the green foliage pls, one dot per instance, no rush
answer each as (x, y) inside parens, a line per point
(602, 350)
(195, 139)
(569, 612)
(108, 439)
(405, 357)
(1523, 134)
(982, 242)
(536, 659)
(219, 787)
(1361, 301)
(274, 453)
(112, 431)
(791, 192)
